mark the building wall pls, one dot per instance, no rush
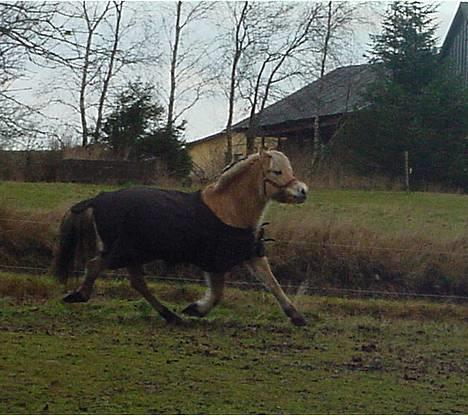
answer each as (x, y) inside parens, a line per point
(210, 155)
(458, 50)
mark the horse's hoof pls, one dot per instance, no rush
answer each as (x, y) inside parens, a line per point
(298, 320)
(192, 310)
(74, 297)
(173, 319)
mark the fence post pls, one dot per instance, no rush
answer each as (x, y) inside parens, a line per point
(407, 171)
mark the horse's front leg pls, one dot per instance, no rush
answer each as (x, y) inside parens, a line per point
(212, 297)
(260, 267)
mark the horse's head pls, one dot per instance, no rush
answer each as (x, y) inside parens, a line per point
(279, 182)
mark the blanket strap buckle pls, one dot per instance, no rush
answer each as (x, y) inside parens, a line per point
(261, 240)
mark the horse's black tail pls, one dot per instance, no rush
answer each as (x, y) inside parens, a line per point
(67, 246)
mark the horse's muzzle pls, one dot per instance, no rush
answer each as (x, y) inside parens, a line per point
(300, 198)
(300, 195)
(296, 193)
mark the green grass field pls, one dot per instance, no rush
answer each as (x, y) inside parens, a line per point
(43, 196)
(115, 355)
(391, 213)
(427, 215)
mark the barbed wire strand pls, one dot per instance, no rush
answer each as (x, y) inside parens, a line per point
(26, 221)
(261, 285)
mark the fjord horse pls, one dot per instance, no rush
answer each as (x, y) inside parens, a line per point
(215, 229)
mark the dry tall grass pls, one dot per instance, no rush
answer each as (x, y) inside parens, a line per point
(333, 255)
(23, 289)
(27, 240)
(337, 255)
(335, 175)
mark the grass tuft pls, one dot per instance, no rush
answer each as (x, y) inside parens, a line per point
(27, 288)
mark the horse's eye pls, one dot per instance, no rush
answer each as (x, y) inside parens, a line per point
(277, 172)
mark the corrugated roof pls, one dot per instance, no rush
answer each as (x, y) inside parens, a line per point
(337, 92)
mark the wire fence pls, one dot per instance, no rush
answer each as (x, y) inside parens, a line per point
(21, 220)
(304, 288)
(301, 289)
(372, 247)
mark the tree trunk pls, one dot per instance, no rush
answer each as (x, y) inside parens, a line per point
(228, 155)
(318, 145)
(91, 26)
(251, 134)
(239, 46)
(84, 81)
(172, 91)
(105, 86)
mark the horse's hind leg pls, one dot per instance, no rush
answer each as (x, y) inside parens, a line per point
(83, 293)
(138, 283)
(212, 297)
(90, 247)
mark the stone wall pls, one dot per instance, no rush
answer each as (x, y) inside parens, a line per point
(29, 166)
(51, 166)
(110, 171)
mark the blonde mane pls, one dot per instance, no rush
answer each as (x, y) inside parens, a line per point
(233, 171)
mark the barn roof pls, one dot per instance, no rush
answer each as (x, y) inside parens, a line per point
(206, 138)
(340, 91)
(460, 16)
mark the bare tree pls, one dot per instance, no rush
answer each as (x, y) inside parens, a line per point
(187, 61)
(110, 68)
(26, 35)
(92, 20)
(316, 141)
(337, 19)
(174, 55)
(235, 40)
(97, 45)
(287, 35)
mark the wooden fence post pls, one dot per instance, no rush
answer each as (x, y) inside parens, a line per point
(407, 171)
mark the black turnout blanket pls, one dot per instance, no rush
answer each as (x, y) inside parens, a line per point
(139, 225)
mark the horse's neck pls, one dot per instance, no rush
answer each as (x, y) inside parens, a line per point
(241, 204)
